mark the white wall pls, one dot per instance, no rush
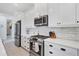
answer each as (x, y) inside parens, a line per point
(3, 26)
(67, 33)
(14, 19)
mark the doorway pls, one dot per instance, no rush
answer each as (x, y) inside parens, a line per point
(9, 29)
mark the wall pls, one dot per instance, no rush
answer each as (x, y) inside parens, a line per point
(3, 26)
(68, 33)
(13, 20)
(9, 24)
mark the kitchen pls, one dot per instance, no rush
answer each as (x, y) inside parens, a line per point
(44, 29)
(63, 20)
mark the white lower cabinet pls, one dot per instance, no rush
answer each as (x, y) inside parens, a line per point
(25, 43)
(52, 49)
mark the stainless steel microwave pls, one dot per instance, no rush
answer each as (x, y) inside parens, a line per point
(41, 21)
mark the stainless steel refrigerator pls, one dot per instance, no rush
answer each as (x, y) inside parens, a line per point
(18, 33)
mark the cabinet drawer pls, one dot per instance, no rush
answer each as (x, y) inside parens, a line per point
(50, 45)
(69, 51)
(59, 50)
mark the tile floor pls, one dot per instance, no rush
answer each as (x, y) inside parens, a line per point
(13, 50)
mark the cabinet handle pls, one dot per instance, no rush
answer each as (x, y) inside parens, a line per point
(50, 52)
(27, 48)
(59, 23)
(24, 41)
(24, 46)
(51, 45)
(63, 49)
(77, 21)
(27, 42)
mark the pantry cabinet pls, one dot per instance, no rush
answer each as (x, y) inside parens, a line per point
(52, 49)
(61, 14)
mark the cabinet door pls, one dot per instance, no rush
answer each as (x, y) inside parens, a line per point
(41, 8)
(60, 14)
(23, 42)
(68, 13)
(77, 12)
(27, 44)
(54, 14)
(29, 19)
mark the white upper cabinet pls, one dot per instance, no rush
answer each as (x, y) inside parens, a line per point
(61, 14)
(29, 19)
(41, 9)
(77, 13)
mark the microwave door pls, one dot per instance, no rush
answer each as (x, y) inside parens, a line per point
(45, 20)
(38, 22)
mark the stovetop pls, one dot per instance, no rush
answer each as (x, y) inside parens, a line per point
(40, 36)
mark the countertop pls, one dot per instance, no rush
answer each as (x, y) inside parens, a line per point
(26, 35)
(73, 44)
(2, 49)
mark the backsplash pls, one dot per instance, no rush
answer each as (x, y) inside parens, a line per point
(68, 33)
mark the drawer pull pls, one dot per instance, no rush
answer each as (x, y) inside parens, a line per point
(51, 45)
(24, 41)
(27, 42)
(24, 46)
(63, 49)
(77, 21)
(50, 52)
(27, 48)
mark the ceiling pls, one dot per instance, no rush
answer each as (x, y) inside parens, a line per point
(13, 8)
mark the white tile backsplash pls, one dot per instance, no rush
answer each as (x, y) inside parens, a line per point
(68, 33)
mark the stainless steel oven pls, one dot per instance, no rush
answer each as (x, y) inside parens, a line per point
(32, 47)
(39, 39)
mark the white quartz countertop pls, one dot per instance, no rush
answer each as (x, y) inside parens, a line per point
(2, 49)
(27, 35)
(73, 44)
